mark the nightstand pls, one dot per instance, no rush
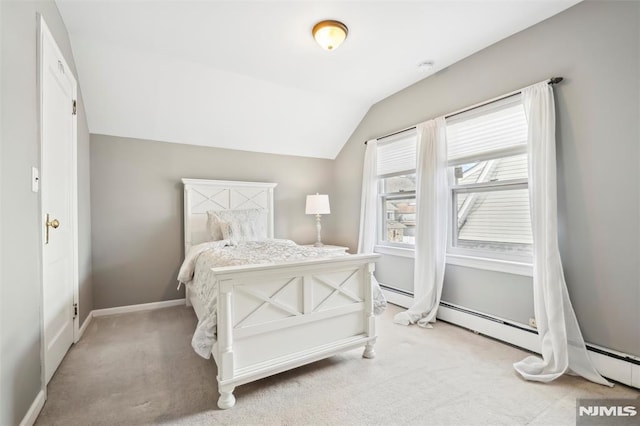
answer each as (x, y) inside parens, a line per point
(330, 247)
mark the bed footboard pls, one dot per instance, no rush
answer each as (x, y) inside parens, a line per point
(273, 318)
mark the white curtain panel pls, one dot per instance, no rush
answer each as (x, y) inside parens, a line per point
(563, 348)
(432, 224)
(368, 214)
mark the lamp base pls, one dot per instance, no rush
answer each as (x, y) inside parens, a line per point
(318, 242)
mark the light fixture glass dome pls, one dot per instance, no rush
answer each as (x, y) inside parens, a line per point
(330, 34)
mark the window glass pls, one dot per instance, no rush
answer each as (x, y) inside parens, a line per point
(489, 190)
(400, 220)
(495, 170)
(495, 220)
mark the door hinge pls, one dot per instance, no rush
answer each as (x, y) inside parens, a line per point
(75, 108)
(75, 310)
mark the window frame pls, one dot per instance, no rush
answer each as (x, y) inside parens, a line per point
(383, 197)
(516, 263)
(452, 246)
(382, 244)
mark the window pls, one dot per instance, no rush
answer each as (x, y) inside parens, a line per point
(396, 169)
(487, 157)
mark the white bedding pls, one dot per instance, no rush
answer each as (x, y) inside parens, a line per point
(196, 273)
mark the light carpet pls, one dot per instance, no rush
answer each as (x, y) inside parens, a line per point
(139, 368)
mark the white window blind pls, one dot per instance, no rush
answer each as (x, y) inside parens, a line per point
(397, 155)
(490, 131)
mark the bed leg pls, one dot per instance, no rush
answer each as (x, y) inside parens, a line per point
(226, 400)
(187, 297)
(369, 351)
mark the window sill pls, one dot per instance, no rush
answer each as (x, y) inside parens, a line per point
(395, 251)
(510, 267)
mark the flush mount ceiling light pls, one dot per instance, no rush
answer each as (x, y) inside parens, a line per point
(330, 34)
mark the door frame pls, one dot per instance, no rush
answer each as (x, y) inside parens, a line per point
(43, 33)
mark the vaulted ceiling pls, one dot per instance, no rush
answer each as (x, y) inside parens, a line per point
(248, 75)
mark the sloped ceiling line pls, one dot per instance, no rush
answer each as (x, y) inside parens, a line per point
(249, 76)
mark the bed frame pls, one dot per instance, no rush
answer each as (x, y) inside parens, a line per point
(272, 318)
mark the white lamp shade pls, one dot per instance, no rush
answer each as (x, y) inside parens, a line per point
(318, 204)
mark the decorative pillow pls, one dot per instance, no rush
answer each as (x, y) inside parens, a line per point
(244, 225)
(214, 225)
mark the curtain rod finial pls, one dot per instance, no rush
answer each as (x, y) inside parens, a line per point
(555, 80)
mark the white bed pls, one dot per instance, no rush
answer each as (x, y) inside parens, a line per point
(261, 332)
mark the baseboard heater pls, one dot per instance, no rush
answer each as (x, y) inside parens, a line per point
(487, 317)
(616, 366)
(528, 330)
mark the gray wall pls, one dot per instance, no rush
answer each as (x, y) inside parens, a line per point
(3, 417)
(20, 292)
(137, 216)
(85, 274)
(595, 46)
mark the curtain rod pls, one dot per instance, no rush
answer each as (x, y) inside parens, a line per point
(552, 80)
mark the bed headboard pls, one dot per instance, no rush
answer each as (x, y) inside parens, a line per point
(202, 195)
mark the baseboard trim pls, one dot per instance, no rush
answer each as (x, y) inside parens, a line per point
(137, 308)
(31, 416)
(85, 325)
(492, 328)
(395, 297)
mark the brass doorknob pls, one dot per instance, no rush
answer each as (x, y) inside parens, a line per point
(50, 224)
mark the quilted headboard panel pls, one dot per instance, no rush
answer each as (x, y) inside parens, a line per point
(201, 196)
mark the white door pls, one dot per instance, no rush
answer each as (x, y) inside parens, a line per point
(58, 133)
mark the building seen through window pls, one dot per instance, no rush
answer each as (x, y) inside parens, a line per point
(400, 210)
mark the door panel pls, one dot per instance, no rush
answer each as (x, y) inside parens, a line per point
(58, 87)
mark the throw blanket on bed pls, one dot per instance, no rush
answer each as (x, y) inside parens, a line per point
(196, 273)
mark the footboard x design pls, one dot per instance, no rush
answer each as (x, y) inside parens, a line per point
(268, 301)
(272, 318)
(337, 289)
